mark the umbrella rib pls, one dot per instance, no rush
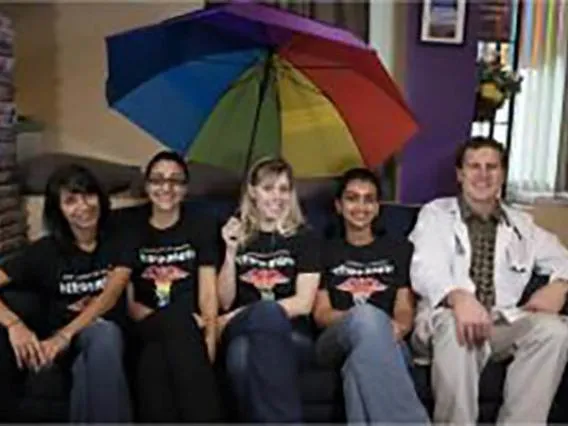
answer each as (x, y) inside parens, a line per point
(286, 71)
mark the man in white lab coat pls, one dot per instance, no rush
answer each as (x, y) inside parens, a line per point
(473, 259)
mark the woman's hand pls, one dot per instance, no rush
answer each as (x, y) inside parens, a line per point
(211, 343)
(210, 336)
(223, 320)
(27, 348)
(54, 346)
(231, 233)
(199, 321)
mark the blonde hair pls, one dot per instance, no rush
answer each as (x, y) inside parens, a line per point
(249, 215)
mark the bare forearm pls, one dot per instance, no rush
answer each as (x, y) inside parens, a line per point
(209, 310)
(7, 316)
(561, 283)
(329, 317)
(295, 306)
(227, 286)
(99, 306)
(138, 311)
(404, 319)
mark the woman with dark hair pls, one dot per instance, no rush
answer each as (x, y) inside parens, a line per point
(173, 301)
(366, 306)
(267, 282)
(80, 275)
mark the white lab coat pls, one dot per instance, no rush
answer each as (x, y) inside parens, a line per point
(442, 257)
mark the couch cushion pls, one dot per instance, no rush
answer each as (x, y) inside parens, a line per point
(46, 396)
(320, 385)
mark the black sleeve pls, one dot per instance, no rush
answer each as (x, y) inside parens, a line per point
(308, 252)
(124, 247)
(207, 240)
(402, 260)
(29, 266)
(326, 256)
(125, 234)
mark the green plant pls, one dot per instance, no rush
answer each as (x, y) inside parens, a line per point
(496, 83)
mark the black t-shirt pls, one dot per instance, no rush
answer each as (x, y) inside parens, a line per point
(67, 278)
(166, 262)
(268, 266)
(372, 273)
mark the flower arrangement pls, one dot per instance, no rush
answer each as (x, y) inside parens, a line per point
(495, 84)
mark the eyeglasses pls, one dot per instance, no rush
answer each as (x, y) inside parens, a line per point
(161, 181)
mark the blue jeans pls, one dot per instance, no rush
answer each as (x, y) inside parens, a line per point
(99, 393)
(262, 364)
(376, 382)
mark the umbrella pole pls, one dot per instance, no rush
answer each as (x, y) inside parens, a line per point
(262, 93)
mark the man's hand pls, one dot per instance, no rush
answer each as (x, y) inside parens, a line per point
(473, 322)
(549, 298)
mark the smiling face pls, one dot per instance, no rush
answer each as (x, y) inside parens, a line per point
(272, 197)
(358, 205)
(481, 175)
(166, 185)
(82, 211)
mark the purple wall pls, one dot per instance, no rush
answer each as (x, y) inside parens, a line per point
(440, 89)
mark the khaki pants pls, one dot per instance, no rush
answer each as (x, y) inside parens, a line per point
(539, 345)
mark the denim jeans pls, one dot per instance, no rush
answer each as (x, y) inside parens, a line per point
(262, 362)
(99, 393)
(376, 382)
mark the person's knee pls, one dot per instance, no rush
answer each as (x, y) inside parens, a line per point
(447, 348)
(367, 321)
(549, 329)
(445, 337)
(268, 315)
(237, 356)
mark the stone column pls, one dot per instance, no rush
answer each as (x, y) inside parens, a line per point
(12, 216)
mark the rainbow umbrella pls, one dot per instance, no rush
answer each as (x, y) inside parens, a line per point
(236, 82)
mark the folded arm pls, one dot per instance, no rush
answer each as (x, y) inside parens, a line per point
(302, 302)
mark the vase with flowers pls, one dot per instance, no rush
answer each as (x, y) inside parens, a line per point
(496, 83)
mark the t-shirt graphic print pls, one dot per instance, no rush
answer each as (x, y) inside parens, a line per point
(362, 280)
(66, 277)
(82, 285)
(165, 267)
(355, 275)
(266, 271)
(268, 266)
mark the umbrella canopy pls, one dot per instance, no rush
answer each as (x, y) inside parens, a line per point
(230, 84)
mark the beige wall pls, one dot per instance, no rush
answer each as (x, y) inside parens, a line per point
(552, 216)
(61, 68)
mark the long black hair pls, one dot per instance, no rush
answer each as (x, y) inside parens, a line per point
(78, 180)
(336, 229)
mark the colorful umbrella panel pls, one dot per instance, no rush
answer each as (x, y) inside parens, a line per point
(237, 82)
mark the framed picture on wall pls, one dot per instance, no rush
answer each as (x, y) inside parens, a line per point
(443, 21)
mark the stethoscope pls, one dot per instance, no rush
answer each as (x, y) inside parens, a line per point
(460, 249)
(514, 227)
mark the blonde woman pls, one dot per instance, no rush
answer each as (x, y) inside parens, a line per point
(267, 284)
